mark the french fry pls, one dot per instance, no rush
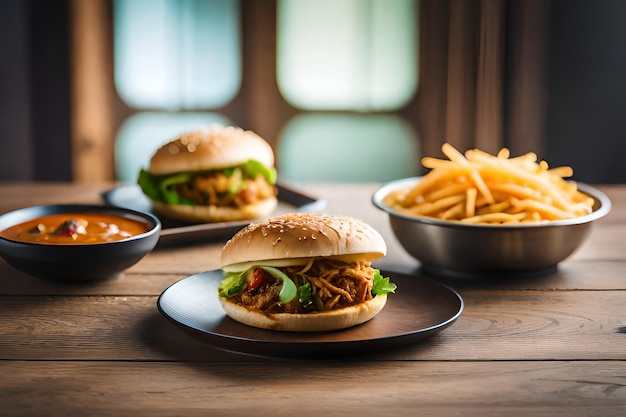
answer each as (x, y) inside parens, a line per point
(454, 211)
(562, 172)
(479, 188)
(470, 202)
(447, 190)
(494, 218)
(437, 206)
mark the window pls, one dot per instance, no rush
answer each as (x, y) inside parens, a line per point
(358, 57)
(347, 55)
(348, 147)
(177, 54)
(347, 66)
(172, 55)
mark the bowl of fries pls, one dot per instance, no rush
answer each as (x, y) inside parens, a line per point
(483, 215)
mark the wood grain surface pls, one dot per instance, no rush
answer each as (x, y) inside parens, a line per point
(547, 346)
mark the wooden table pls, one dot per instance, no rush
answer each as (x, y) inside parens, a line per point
(546, 346)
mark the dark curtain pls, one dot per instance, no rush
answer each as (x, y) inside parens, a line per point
(586, 116)
(35, 140)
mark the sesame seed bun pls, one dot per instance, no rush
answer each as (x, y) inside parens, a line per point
(297, 239)
(213, 148)
(292, 239)
(206, 152)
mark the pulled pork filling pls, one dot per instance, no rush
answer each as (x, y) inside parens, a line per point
(333, 285)
(215, 188)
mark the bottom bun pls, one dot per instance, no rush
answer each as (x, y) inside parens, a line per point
(310, 322)
(212, 214)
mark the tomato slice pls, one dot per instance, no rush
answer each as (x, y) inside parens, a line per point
(258, 276)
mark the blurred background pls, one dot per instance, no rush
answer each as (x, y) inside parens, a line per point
(351, 90)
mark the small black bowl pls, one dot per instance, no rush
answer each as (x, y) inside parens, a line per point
(81, 262)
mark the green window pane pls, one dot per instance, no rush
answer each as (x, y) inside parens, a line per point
(352, 147)
(349, 54)
(177, 54)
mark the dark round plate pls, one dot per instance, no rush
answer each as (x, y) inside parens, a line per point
(419, 309)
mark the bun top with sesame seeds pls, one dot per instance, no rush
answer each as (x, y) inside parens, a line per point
(218, 174)
(293, 239)
(303, 272)
(214, 148)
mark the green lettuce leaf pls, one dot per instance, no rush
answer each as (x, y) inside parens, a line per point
(163, 187)
(305, 296)
(288, 291)
(149, 184)
(382, 285)
(168, 189)
(252, 168)
(233, 284)
(237, 182)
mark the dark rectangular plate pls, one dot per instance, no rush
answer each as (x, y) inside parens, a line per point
(178, 232)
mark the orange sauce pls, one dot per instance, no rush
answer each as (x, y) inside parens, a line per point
(75, 229)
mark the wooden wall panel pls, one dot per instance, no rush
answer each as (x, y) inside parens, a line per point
(429, 106)
(92, 89)
(490, 76)
(265, 111)
(461, 70)
(528, 90)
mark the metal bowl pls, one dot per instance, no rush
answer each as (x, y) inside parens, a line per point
(462, 250)
(84, 262)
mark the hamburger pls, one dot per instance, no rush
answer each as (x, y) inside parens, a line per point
(303, 272)
(213, 175)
